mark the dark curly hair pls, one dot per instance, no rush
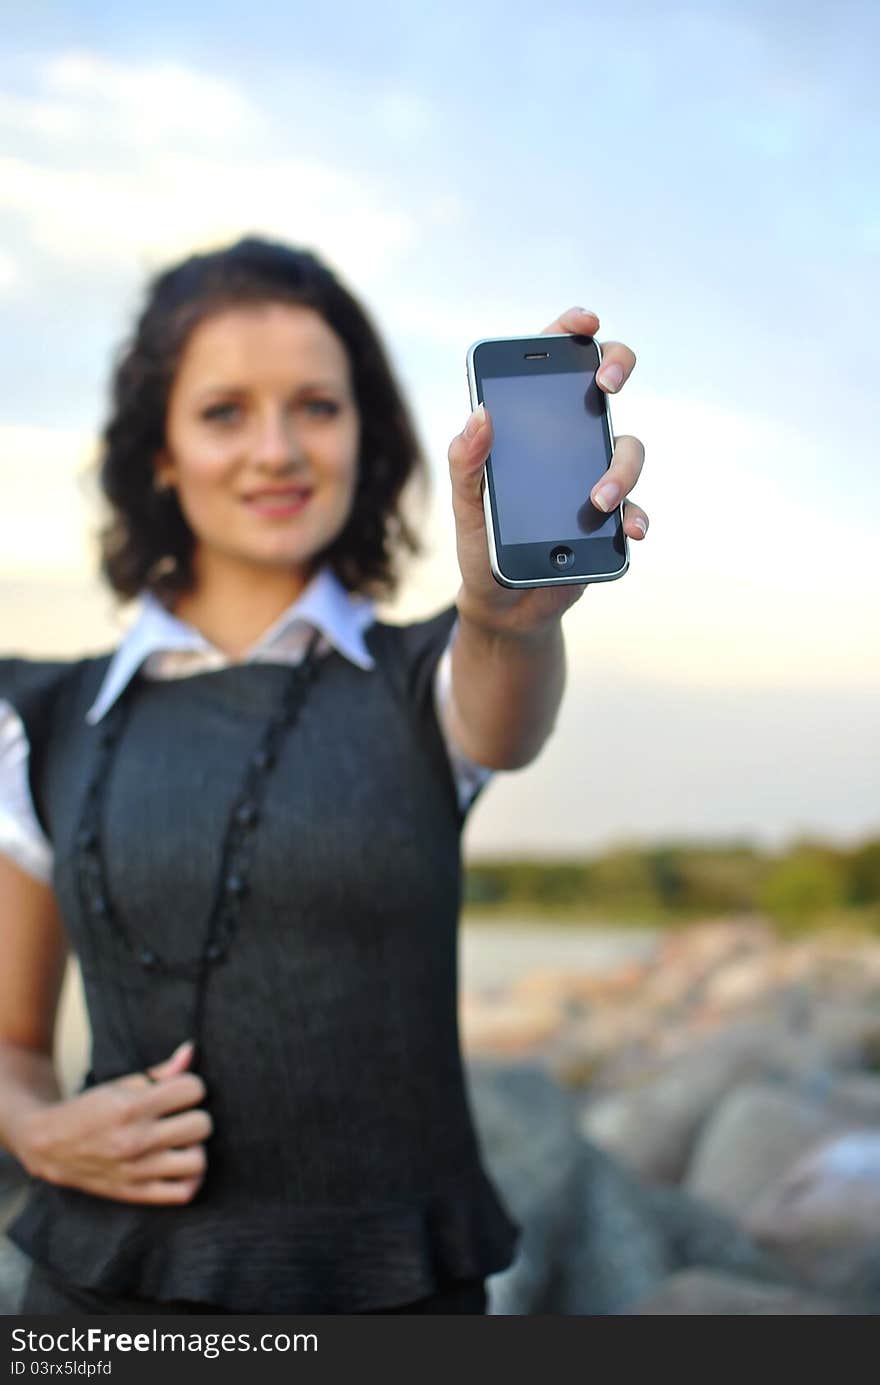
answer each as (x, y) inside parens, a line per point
(146, 543)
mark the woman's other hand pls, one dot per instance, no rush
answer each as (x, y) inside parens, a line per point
(132, 1139)
(481, 598)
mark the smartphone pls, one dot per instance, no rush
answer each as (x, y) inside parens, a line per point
(553, 441)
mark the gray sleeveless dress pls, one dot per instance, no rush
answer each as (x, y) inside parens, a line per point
(344, 1172)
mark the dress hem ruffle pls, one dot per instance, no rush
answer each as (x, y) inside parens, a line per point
(271, 1259)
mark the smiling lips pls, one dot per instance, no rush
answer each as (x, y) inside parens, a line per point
(279, 503)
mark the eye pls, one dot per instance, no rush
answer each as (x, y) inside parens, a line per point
(328, 408)
(219, 411)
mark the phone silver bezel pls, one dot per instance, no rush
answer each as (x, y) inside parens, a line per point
(484, 489)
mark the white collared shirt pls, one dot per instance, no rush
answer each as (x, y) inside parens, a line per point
(163, 646)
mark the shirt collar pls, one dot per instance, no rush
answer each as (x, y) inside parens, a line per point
(325, 604)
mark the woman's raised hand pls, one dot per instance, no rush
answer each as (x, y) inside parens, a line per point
(522, 612)
(132, 1139)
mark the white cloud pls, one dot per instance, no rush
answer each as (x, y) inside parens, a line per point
(149, 103)
(47, 512)
(747, 577)
(10, 273)
(739, 583)
(158, 160)
(56, 120)
(447, 320)
(179, 202)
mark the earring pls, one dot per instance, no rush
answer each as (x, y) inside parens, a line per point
(163, 567)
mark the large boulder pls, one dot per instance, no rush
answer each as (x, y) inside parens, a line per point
(13, 1265)
(596, 1239)
(699, 1236)
(822, 1216)
(527, 1129)
(616, 1250)
(652, 1124)
(750, 1141)
(13, 1272)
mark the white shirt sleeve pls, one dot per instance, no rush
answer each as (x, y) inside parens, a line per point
(469, 775)
(21, 836)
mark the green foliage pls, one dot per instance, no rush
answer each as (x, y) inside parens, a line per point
(864, 874)
(798, 888)
(623, 880)
(808, 882)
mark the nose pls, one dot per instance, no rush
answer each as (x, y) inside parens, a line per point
(277, 446)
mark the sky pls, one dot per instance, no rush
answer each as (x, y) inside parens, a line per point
(698, 174)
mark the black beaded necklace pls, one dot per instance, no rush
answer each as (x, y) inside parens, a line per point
(232, 880)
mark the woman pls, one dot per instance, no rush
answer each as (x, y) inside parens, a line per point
(245, 821)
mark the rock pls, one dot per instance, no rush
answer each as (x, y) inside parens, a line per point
(508, 1026)
(13, 1271)
(576, 988)
(738, 984)
(13, 1180)
(652, 1126)
(580, 1052)
(697, 1235)
(845, 1031)
(689, 959)
(857, 1096)
(701, 1293)
(616, 1250)
(751, 1139)
(13, 1265)
(526, 1127)
(822, 1216)
(595, 1240)
(622, 1240)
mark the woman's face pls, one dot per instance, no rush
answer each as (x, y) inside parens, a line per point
(262, 437)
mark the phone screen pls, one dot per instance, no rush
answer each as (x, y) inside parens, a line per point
(550, 449)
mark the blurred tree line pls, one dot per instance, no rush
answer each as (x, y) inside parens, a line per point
(808, 883)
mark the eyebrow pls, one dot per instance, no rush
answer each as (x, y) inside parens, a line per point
(230, 388)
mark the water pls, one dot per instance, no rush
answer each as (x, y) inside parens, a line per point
(498, 953)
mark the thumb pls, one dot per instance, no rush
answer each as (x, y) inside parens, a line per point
(177, 1063)
(467, 457)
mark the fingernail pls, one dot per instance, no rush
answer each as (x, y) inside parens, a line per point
(588, 312)
(640, 524)
(606, 497)
(611, 377)
(475, 422)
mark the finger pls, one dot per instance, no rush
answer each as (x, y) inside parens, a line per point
(178, 1062)
(159, 1072)
(161, 1190)
(177, 1132)
(618, 363)
(580, 320)
(627, 461)
(190, 1162)
(178, 1094)
(635, 521)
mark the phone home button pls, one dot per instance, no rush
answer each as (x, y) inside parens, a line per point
(561, 557)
